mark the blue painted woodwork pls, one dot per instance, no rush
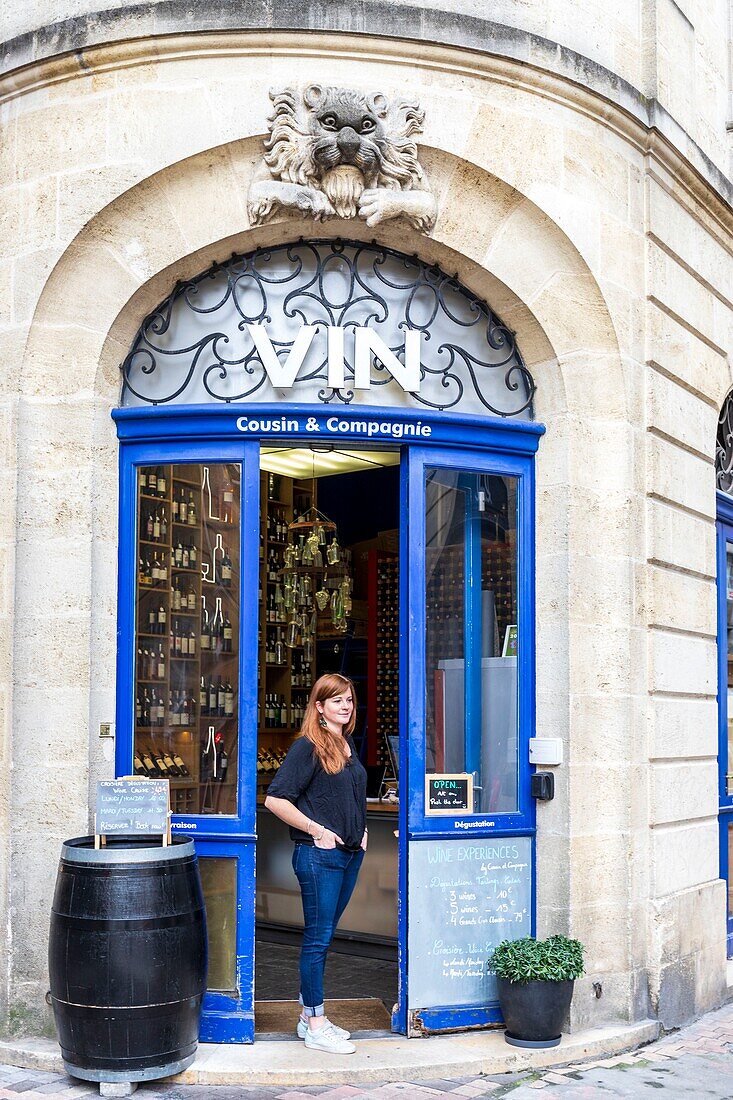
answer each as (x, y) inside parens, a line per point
(724, 534)
(419, 825)
(207, 433)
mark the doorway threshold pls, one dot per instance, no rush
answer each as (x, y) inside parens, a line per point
(364, 1017)
(388, 1058)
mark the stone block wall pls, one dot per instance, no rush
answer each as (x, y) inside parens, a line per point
(675, 53)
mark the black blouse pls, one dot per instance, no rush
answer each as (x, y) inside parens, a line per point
(336, 801)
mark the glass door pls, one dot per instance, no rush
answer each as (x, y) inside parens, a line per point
(187, 709)
(470, 818)
(725, 713)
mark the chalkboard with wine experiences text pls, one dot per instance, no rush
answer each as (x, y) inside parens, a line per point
(471, 894)
(132, 807)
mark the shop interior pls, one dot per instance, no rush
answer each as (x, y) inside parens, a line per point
(329, 569)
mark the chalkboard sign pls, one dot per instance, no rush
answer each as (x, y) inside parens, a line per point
(449, 794)
(132, 807)
(470, 894)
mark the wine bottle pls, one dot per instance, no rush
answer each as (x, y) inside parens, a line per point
(138, 767)
(178, 761)
(191, 510)
(149, 764)
(162, 766)
(219, 698)
(228, 700)
(171, 765)
(226, 569)
(203, 698)
(223, 764)
(182, 508)
(227, 635)
(162, 485)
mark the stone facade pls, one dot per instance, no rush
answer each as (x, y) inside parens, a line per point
(583, 190)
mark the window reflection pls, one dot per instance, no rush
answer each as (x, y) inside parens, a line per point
(471, 633)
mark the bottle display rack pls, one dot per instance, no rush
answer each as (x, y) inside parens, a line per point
(445, 612)
(187, 665)
(445, 598)
(285, 678)
(383, 656)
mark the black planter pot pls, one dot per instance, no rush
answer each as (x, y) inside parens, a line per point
(534, 1011)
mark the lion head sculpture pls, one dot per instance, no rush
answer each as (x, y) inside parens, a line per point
(334, 151)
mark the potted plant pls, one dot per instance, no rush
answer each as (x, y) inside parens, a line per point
(535, 980)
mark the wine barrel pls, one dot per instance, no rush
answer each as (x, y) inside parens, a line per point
(127, 958)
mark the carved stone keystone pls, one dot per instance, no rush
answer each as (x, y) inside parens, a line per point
(337, 152)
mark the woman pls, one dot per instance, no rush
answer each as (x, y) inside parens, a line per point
(320, 792)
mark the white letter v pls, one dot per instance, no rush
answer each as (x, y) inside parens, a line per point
(282, 375)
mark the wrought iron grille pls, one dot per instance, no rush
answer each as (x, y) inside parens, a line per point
(724, 447)
(196, 346)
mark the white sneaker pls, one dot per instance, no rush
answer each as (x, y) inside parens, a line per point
(302, 1030)
(326, 1039)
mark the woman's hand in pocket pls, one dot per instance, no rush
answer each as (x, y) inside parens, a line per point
(327, 840)
(365, 839)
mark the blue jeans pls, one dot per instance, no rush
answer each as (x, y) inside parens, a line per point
(327, 878)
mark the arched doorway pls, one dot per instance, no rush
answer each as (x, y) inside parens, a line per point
(250, 396)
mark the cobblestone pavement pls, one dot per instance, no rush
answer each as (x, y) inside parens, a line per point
(695, 1062)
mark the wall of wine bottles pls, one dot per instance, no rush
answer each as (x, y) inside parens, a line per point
(285, 676)
(383, 657)
(187, 665)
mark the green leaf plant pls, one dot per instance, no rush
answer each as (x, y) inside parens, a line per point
(556, 959)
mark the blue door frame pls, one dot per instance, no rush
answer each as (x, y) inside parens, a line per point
(420, 827)
(724, 534)
(230, 433)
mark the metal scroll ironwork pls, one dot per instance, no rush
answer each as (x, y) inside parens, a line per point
(196, 346)
(724, 447)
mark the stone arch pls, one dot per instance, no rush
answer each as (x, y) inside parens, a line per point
(173, 225)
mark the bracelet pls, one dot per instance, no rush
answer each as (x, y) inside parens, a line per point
(323, 829)
(308, 826)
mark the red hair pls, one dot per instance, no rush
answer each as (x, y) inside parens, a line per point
(329, 747)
